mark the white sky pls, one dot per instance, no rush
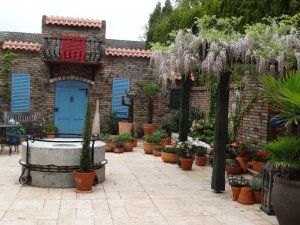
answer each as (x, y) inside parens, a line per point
(125, 19)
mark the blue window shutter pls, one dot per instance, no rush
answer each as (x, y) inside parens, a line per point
(20, 93)
(118, 90)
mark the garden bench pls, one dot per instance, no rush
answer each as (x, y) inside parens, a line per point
(29, 120)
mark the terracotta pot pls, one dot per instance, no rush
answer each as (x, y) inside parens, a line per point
(257, 166)
(128, 146)
(109, 145)
(235, 192)
(135, 140)
(50, 136)
(200, 160)
(148, 147)
(169, 157)
(246, 159)
(165, 141)
(257, 196)
(186, 163)
(246, 196)
(242, 163)
(286, 200)
(156, 153)
(125, 127)
(149, 128)
(84, 181)
(233, 169)
(119, 150)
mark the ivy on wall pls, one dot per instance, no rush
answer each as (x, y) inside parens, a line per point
(6, 70)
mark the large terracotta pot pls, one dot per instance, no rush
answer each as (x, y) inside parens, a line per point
(169, 157)
(186, 163)
(148, 147)
(257, 196)
(286, 200)
(235, 192)
(200, 160)
(128, 146)
(257, 166)
(246, 196)
(109, 145)
(125, 127)
(84, 181)
(149, 128)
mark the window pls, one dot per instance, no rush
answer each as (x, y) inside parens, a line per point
(174, 99)
(118, 90)
(20, 93)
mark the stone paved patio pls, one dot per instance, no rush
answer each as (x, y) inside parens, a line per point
(139, 189)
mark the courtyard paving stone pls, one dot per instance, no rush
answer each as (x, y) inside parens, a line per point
(139, 190)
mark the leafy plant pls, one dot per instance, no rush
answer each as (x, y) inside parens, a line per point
(85, 157)
(105, 137)
(256, 183)
(18, 130)
(149, 90)
(200, 151)
(159, 133)
(110, 122)
(119, 144)
(152, 139)
(186, 149)
(158, 148)
(125, 137)
(50, 128)
(237, 181)
(170, 150)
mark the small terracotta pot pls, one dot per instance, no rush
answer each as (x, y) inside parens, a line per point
(84, 181)
(119, 150)
(235, 192)
(233, 169)
(257, 166)
(50, 136)
(149, 128)
(109, 145)
(169, 157)
(200, 160)
(257, 196)
(186, 163)
(128, 146)
(156, 153)
(246, 196)
(148, 147)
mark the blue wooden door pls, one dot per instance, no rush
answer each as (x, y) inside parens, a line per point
(70, 105)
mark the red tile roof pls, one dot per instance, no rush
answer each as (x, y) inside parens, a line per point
(19, 45)
(127, 52)
(70, 21)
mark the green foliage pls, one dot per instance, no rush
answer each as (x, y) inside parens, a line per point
(110, 122)
(85, 157)
(256, 183)
(285, 153)
(170, 150)
(284, 95)
(149, 89)
(105, 137)
(159, 133)
(18, 130)
(119, 144)
(6, 70)
(186, 149)
(203, 130)
(200, 151)
(125, 137)
(50, 128)
(158, 148)
(152, 139)
(237, 181)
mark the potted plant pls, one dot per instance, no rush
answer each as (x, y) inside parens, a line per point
(256, 185)
(169, 154)
(150, 142)
(110, 143)
(157, 150)
(14, 133)
(50, 130)
(259, 159)
(164, 139)
(186, 152)
(127, 139)
(84, 176)
(236, 182)
(119, 147)
(200, 156)
(284, 153)
(232, 167)
(110, 123)
(149, 90)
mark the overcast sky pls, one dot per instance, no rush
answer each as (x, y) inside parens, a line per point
(125, 19)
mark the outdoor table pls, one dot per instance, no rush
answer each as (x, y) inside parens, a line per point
(3, 136)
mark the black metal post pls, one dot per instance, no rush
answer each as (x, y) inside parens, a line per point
(221, 133)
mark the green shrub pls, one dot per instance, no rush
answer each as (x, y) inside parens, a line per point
(152, 139)
(125, 137)
(237, 181)
(160, 133)
(50, 128)
(256, 183)
(110, 122)
(158, 148)
(201, 151)
(170, 150)
(105, 137)
(119, 144)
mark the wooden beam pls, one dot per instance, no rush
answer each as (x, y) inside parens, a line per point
(221, 133)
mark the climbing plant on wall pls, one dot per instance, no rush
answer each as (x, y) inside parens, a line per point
(6, 70)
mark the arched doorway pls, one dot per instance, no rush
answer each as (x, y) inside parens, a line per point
(70, 105)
